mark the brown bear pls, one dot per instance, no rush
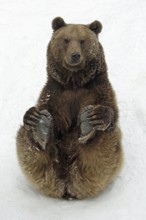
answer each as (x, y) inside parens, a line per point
(70, 143)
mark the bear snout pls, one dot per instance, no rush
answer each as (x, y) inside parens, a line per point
(75, 57)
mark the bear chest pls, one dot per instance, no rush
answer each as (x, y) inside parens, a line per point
(69, 100)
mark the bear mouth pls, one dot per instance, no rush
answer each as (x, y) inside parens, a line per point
(73, 66)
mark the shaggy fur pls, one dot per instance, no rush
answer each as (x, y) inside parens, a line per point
(77, 152)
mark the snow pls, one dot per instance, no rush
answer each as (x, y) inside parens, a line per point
(24, 34)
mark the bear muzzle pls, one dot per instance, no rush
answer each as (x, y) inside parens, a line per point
(74, 60)
(75, 57)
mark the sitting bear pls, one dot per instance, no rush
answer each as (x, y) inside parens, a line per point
(70, 144)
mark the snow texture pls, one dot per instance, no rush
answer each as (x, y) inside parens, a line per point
(25, 29)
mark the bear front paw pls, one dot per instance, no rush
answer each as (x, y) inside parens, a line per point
(92, 119)
(87, 129)
(41, 124)
(100, 117)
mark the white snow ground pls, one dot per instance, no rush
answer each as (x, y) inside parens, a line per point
(25, 30)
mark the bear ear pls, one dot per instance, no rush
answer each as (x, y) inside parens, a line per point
(95, 26)
(58, 23)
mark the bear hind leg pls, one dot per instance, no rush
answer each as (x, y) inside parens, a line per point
(37, 165)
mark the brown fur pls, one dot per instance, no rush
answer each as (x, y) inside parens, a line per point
(67, 167)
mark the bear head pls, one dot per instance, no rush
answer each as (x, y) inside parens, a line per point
(73, 48)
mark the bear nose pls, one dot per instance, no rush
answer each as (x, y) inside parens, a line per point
(75, 56)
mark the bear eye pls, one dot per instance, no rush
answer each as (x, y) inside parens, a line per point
(66, 40)
(82, 41)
